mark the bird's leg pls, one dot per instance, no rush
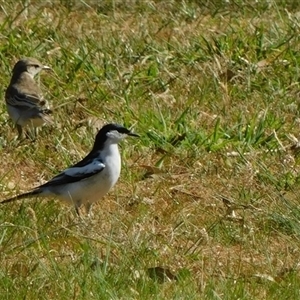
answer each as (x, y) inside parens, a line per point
(88, 209)
(35, 132)
(20, 131)
(31, 133)
(77, 210)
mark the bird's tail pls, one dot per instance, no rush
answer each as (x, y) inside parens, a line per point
(30, 194)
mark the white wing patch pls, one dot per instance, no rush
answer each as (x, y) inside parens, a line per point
(94, 167)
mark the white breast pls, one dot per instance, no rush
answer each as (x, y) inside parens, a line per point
(92, 188)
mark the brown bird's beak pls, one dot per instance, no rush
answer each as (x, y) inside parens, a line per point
(46, 68)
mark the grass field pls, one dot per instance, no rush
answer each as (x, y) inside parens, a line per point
(207, 206)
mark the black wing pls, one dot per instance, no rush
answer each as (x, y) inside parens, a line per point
(86, 168)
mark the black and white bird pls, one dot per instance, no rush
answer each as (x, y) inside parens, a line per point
(24, 101)
(90, 179)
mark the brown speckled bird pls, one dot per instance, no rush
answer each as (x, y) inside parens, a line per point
(24, 100)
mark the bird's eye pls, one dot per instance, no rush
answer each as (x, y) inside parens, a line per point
(36, 66)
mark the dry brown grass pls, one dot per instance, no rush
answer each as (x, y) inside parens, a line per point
(219, 208)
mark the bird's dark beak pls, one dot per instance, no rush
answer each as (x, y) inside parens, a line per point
(133, 134)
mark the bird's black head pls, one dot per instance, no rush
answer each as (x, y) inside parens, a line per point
(113, 133)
